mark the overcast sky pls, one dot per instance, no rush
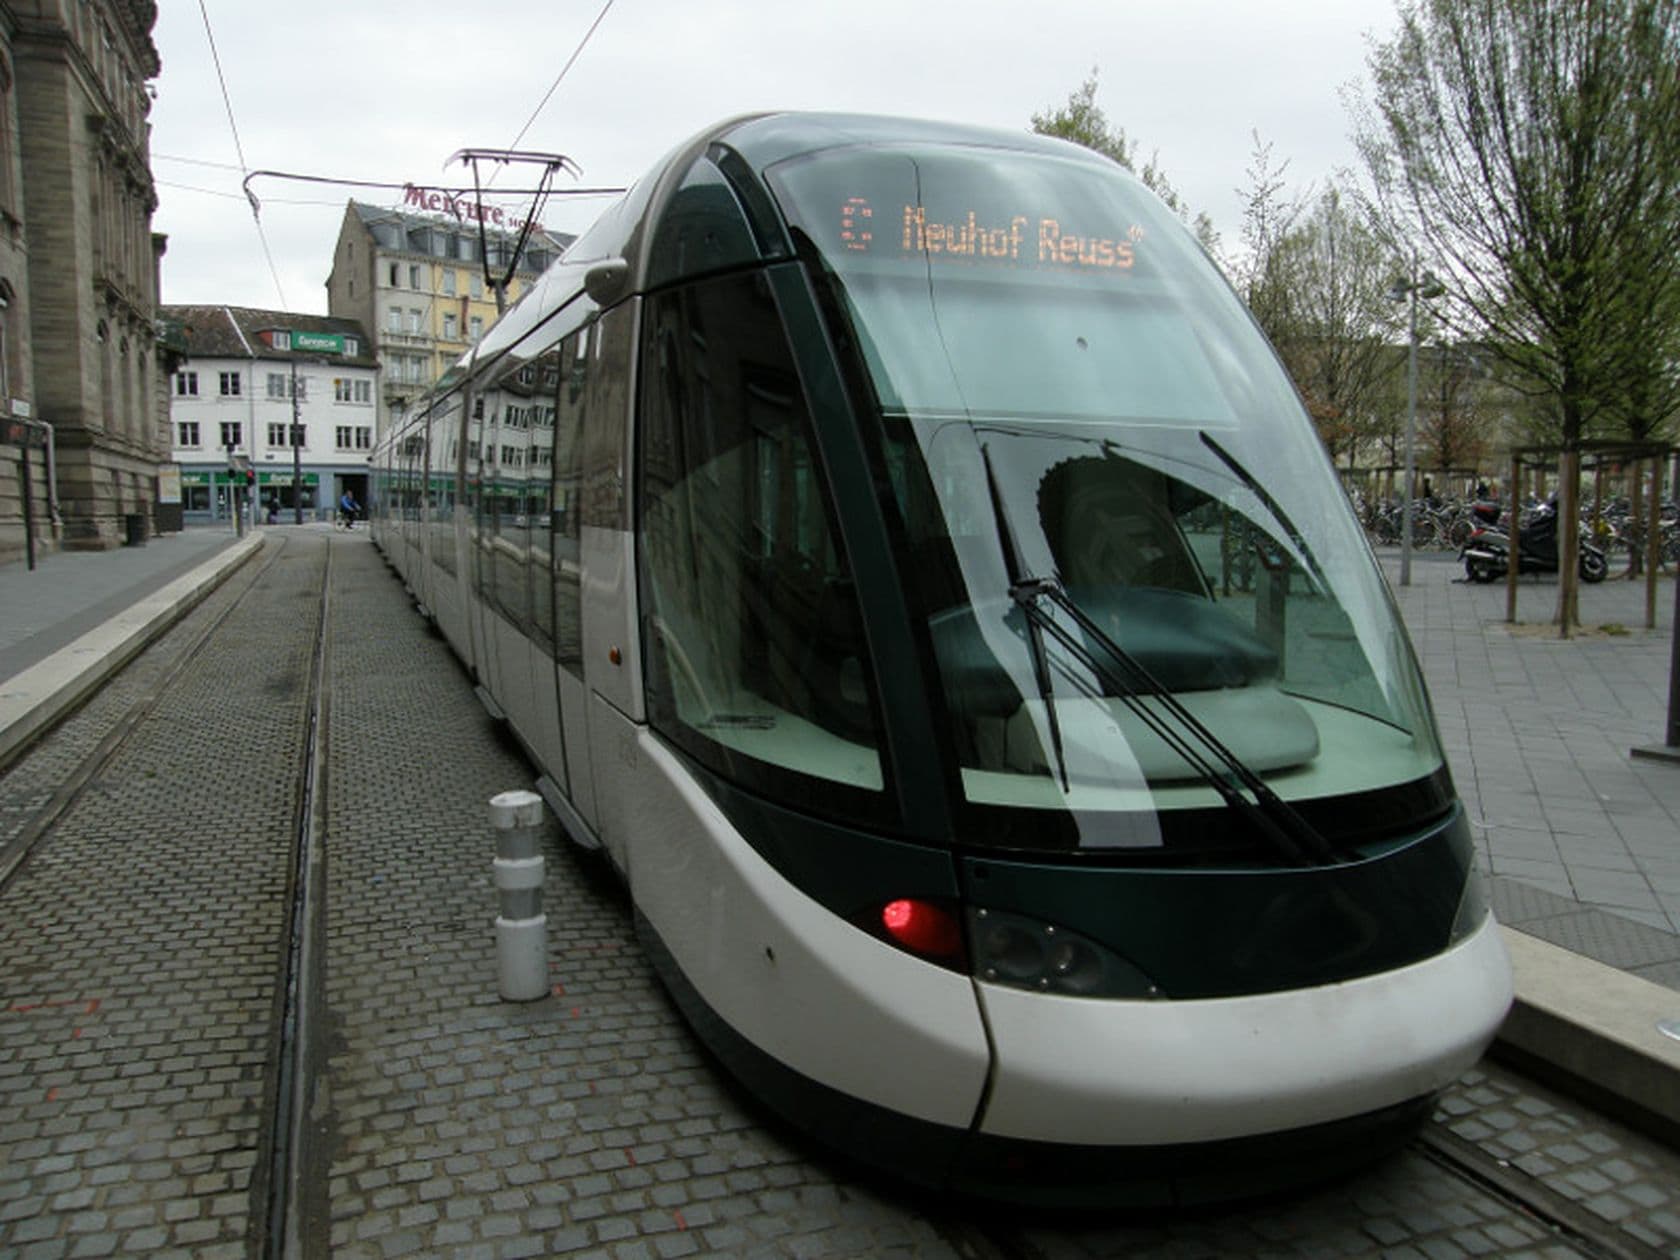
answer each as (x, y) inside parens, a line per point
(387, 90)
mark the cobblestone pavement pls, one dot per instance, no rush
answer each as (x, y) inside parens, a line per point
(140, 946)
(138, 969)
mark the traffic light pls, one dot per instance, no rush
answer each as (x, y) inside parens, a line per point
(250, 478)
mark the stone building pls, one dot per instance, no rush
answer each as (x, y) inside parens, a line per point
(415, 281)
(78, 273)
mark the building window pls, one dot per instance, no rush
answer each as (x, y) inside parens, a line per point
(341, 389)
(475, 327)
(449, 282)
(449, 327)
(276, 433)
(364, 391)
(341, 434)
(230, 384)
(391, 275)
(186, 433)
(186, 384)
(352, 347)
(364, 437)
(414, 275)
(232, 433)
(475, 285)
(276, 384)
(414, 314)
(393, 319)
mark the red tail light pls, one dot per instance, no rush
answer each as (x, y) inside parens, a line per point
(923, 928)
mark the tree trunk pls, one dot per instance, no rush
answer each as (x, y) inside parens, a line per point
(1569, 542)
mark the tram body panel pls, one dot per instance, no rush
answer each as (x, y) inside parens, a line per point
(579, 761)
(516, 661)
(821, 997)
(1075, 1070)
(453, 595)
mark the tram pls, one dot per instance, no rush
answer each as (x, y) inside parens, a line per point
(904, 559)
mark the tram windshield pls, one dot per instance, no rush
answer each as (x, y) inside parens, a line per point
(1070, 395)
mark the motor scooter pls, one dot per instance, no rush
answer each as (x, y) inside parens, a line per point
(1486, 554)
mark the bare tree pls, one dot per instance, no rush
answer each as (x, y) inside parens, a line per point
(1531, 153)
(1083, 121)
(1340, 319)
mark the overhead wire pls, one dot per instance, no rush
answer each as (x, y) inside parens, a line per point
(239, 148)
(570, 61)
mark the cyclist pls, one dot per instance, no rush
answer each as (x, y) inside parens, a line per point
(348, 509)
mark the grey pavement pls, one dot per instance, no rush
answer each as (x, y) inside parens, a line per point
(69, 593)
(1581, 839)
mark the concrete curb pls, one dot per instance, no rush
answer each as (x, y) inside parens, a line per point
(33, 700)
(1591, 1030)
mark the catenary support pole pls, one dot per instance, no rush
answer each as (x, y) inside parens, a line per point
(521, 925)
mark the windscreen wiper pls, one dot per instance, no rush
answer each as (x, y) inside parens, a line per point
(1225, 771)
(1014, 567)
(1222, 769)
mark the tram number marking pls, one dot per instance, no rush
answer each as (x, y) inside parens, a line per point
(1022, 241)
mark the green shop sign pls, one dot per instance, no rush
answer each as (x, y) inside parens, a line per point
(323, 343)
(221, 478)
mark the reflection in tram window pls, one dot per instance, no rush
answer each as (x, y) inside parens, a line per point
(756, 656)
(568, 501)
(538, 491)
(444, 424)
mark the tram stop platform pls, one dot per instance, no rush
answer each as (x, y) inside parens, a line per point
(1579, 839)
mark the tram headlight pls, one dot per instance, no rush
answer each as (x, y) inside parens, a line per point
(1026, 953)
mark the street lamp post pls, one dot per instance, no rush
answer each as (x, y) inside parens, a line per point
(297, 452)
(1410, 289)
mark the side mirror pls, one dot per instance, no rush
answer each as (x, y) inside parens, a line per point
(605, 282)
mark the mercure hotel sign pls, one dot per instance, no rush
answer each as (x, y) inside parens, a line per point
(462, 208)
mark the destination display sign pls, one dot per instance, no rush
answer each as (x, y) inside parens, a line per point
(1037, 240)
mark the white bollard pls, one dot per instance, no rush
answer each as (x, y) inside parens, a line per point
(521, 925)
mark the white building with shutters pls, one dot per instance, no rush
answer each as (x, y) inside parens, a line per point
(273, 399)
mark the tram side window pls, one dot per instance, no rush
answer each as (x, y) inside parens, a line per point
(413, 482)
(473, 492)
(568, 500)
(503, 541)
(443, 425)
(539, 497)
(756, 657)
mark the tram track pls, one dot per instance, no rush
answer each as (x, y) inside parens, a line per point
(288, 1202)
(1569, 1222)
(17, 847)
(298, 1207)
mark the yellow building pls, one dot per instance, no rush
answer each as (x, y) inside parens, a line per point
(414, 279)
